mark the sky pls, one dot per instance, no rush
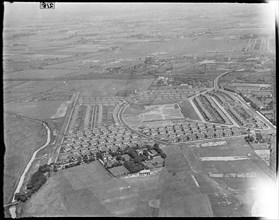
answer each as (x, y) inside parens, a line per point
(17, 12)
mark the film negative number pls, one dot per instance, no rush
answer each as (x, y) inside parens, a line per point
(47, 5)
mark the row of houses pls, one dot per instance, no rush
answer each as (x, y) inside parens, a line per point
(101, 139)
(182, 126)
(245, 121)
(169, 89)
(189, 132)
(166, 93)
(219, 111)
(208, 111)
(197, 135)
(225, 97)
(100, 100)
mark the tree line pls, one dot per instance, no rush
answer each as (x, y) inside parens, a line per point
(35, 183)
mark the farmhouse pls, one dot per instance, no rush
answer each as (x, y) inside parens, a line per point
(152, 152)
(85, 152)
(102, 147)
(119, 171)
(236, 132)
(126, 157)
(126, 137)
(219, 134)
(76, 146)
(102, 141)
(67, 148)
(118, 138)
(209, 135)
(144, 172)
(110, 140)
(112, 147)
(227, 133)
(84, 144)
(200, 136)
(122, 146)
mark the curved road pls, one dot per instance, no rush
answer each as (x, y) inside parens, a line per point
(20, 183)
(119, 115)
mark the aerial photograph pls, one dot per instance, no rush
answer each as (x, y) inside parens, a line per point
(139, 110)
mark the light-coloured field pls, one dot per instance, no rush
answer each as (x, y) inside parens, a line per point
(40, 73)
(61, 111)
(38, 110)
(89, 190)
(161, 112)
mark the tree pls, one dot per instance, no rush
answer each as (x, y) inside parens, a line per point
(29, 194)
(144, 157)
(251, 139)
(159, 150)
(29, 185)
(119, 150)
(118, 157)
(44, 168)
(137, 160)
(258, 136)
(54, 169)
(156, 146)
(163, 155)
(98, 155)
(132, 153)
(145, 152)
(148, 147)
(17, 196)
(22, 198)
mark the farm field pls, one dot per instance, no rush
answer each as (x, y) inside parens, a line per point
(37, 110)
(22, 137)
(35, 90)
(45, 74)
(108, 87)
(57, 90)
(89, 190)
(155, 57)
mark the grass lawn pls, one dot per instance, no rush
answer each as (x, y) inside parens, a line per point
(188, 111)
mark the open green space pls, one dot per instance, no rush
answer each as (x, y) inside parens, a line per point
(22, 137)
(36, 110)
(188, 111)
(89, 190)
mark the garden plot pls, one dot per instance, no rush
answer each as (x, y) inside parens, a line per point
(161, 112)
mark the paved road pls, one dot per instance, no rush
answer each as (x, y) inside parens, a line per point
(64, 128)
(21, 180)
(217, 78)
